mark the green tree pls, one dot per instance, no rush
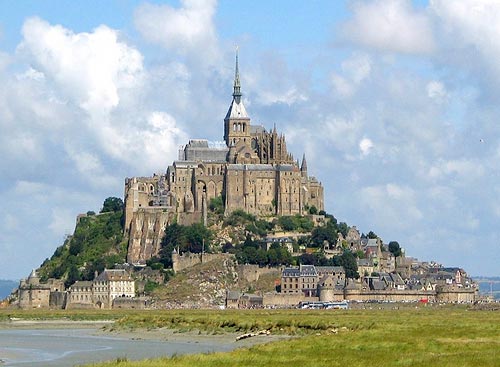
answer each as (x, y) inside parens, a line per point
(73, 276)
(395, 249)
(348, 261)
(371, 235)
(343, 228)
(287, 223)
(112, 204)
(321, 234)
(313, 210)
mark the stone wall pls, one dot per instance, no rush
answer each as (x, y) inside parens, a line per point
(34, 297)
(389, 295)
(456, 295)
(449, 295)
(285, 300)
(130, 303)
(252, 273)
(181, 262)
(57, 299)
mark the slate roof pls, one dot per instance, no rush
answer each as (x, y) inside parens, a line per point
(113, 275)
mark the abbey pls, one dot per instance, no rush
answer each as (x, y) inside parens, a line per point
(251, 170)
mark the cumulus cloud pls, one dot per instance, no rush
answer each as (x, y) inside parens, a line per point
(88, 67)
(103, 78)
(77, 116)
(188, 29)
(390, 25)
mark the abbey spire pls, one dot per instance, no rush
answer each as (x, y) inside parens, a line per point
(237, 121)
(237, 85)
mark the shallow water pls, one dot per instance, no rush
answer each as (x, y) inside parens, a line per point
(69, 347)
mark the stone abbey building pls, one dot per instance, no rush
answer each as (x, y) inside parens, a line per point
(251, 170)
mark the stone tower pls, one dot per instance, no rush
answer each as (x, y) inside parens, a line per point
(236, 122)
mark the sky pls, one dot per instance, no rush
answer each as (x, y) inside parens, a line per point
(394, 103)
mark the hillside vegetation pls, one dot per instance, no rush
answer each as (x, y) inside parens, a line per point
(97, 243)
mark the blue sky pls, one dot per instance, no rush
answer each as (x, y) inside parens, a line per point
(394, 103)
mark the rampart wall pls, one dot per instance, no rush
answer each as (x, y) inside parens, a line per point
(187, 260)
(252, 273)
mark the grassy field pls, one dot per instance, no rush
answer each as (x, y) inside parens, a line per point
(437, 336)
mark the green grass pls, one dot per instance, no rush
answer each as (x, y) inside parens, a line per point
(411, 337)
(430, 336)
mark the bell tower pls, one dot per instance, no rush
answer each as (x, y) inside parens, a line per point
(237, 122)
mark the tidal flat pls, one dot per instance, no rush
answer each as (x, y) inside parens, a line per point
(406, 336)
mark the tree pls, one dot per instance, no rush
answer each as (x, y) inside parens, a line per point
(371, 235)
(313, 210)
(343, 228)
(73, 276)
(112, 204)
(348, 261)
(287, 223)
(321, 234)
(395, 249)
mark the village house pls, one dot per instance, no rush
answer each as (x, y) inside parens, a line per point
(110, 285)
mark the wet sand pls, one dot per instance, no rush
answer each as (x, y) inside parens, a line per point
(66, 343)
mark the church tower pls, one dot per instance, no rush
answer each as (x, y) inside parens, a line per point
(237, 122)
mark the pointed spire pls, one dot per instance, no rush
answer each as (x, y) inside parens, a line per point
(303, 167)
(237, 85)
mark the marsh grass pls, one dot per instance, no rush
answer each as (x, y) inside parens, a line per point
(411, 337)
(445, 337)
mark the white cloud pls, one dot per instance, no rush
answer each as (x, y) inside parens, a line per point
(470, 31)
(390, 25)
(188, 29)
(90, 68)
(365, 145)
(288, 97)
(391, 206)
(464, 170)
(437, 91)
(354, 70)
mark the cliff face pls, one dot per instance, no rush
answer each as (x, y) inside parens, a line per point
(146, 232)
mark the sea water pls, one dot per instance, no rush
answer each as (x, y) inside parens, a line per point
(69, 347)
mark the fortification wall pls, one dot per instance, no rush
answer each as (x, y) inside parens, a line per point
(35, 297)
(456, 295)
(80, 306)
(130, 303)
(389, 295)
(285, 300)
(330, 295)
(57, 299)
(187, 260)
(252, 273)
